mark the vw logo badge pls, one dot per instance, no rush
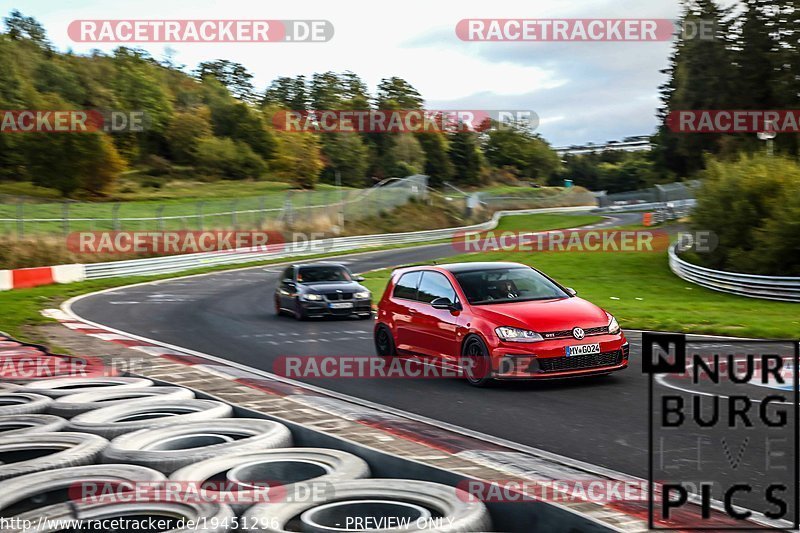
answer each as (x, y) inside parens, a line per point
(578, 333)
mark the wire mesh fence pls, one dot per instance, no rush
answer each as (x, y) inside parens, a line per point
(667, 192)
(23, 217)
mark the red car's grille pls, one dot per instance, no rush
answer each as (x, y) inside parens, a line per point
(580, 362)
(567, 333)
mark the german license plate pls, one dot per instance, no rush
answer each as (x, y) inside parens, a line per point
(342, 305)
(583, 349)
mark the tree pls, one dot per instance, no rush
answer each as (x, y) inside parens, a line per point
(437, 164)
(464, 157)
(228, 158)
(700, 78)
(69, 163)
(298, 159)
(326, 91)
(397, 93)
(347, 154)
(185, 132)
(279, 93)
(19, 27)
(753, 207)
(516, 147)
(234, 76)
(407, 156)
(138, 86)
(240, 121)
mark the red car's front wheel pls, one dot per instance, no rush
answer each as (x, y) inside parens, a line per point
(476, 362)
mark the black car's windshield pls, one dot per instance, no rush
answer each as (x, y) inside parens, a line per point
(507, 285)
(320, 274)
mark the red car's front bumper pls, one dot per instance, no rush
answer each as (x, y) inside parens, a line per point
(548, 359)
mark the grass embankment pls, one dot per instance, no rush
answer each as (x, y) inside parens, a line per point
(22, 308)
(641, 291)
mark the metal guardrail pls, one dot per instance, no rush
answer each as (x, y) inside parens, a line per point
(786, 289)
(679, 207)
(178, 263)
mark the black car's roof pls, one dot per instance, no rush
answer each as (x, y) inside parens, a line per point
(455, 268)
(305, 265)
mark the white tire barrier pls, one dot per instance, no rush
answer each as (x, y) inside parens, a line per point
(116, 420)
(169, 448)
(23, 403)
(28, 453)
(292, 470)
(22, 424)
(65, 386)
(75, 404)
(33, 491)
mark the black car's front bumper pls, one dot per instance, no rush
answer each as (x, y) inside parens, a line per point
(323, 308)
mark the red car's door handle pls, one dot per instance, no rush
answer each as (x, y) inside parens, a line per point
(412, 311)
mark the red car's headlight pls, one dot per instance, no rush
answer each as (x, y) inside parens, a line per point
(613, 327)
(510, 334)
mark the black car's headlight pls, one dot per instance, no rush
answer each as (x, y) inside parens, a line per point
(509, 334)
(361, 295)
(312, 297)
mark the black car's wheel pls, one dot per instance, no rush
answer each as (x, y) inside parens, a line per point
(299, 312)
(384, 342)
(476, 362)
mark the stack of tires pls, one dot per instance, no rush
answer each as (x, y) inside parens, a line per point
(87, 448)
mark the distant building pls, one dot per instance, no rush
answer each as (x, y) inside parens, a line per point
(640, 143)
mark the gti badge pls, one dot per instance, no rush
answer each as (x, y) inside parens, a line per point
(578, 333)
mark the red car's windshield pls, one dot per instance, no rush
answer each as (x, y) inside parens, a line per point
(507, 285)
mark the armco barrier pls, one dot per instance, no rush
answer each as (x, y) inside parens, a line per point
(786, 289)
(169, 264)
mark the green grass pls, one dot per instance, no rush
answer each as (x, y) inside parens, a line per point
(545, 221)
(519, 190)
(641, 291)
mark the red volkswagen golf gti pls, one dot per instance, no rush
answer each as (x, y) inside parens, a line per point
(496, 321)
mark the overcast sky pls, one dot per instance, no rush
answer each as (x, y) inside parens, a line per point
(581, 91)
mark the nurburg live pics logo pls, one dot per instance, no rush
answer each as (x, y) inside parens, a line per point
(722, 433)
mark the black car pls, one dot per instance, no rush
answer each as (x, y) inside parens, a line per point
(321, 289)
